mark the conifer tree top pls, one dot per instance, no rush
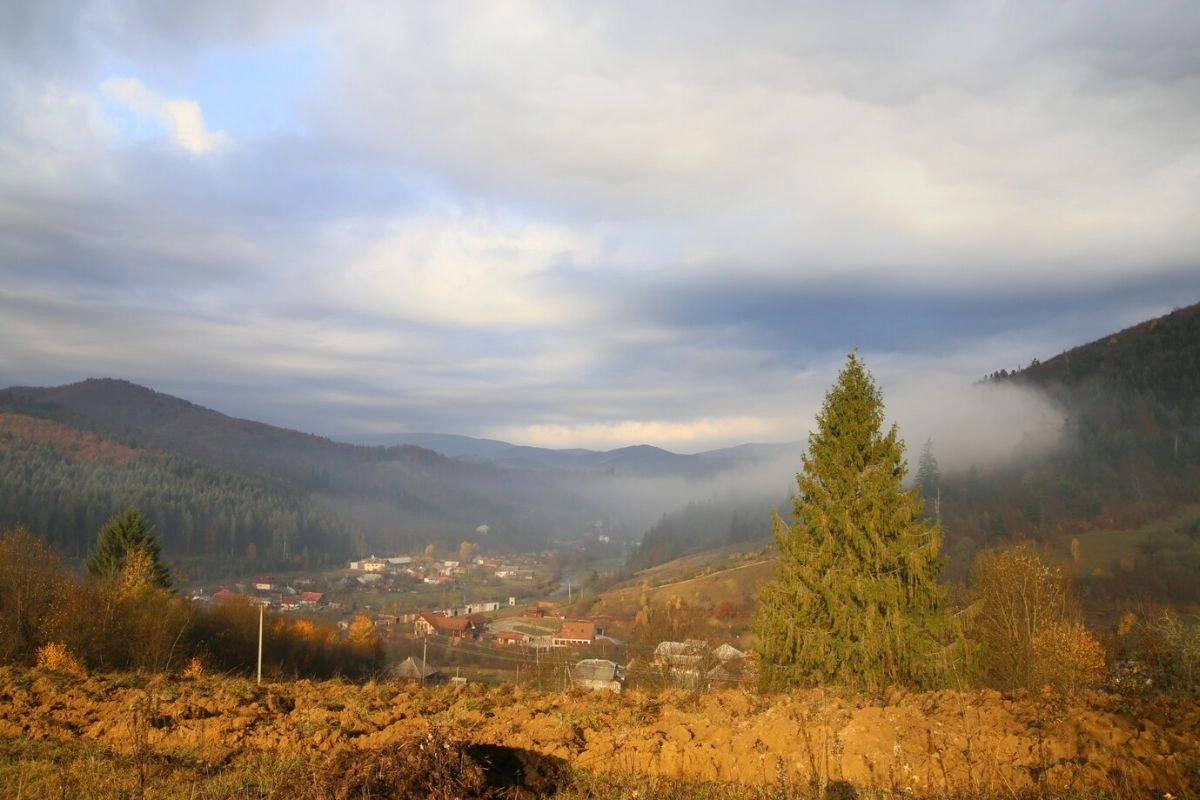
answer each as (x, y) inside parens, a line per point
(122, 535)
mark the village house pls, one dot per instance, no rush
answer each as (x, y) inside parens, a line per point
(682, 661)
(731, 668)
(435, 623)
(224, 596)
(688, 653)
(371, 564)
(575, 633)
(311, 599)
(510, 637)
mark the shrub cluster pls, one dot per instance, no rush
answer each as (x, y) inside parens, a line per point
(127, 620)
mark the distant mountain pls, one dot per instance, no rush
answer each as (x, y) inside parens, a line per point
(448, 444)
(393, 497)
(123, 409)
(635, 461)
(317, 498)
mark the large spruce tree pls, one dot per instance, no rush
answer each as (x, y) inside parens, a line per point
(855, 601)
(120, 536)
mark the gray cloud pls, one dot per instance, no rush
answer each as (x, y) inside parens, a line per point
(595, 225)
(776, 136)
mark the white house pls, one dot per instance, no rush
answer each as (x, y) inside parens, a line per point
(371, 564)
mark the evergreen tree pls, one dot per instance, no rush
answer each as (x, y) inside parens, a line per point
(929, 478)
(855, 600)
(123, 534)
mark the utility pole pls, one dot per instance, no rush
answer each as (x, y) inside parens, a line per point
(424, 650)
(260, 638)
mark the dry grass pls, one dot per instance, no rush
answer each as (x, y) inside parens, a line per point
(423, 768)
(210, 738)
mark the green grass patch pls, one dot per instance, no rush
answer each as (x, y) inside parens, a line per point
(1101, 550)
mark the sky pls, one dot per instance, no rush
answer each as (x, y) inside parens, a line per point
(590, 224)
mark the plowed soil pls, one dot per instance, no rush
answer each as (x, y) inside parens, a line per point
(918, 744)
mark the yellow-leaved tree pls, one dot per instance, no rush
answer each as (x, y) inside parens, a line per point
(365, 644)
(1026, 626)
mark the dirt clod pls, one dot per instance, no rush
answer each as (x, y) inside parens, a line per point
(427, 767)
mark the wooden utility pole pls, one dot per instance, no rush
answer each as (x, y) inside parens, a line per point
(260, 640)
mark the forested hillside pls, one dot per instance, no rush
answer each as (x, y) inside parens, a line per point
(699, 526)
(64, 483)
(1128, 455)
(215, 485)
(133, 413)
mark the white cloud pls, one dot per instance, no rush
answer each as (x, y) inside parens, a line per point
(798, 138)
(49, 139)
(681, 436)
(181, 118)
(447, 267)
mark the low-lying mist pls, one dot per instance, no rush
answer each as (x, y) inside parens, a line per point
(640, 502)
(986, 425)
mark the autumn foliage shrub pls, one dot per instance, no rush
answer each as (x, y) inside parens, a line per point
(32, 580)
(1162, 649)
(1067, 657)
(1025, 627)
(125, 619)
(57, 657)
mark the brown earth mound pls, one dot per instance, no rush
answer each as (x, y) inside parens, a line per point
(427, 768)
(506, 739)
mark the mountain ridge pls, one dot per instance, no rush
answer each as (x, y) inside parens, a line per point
(389, 497)
(637, 459)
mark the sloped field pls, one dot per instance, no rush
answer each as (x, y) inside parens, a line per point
(112, 736)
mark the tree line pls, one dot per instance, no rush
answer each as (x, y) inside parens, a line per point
(700, 526)
(64, 484)
(122, 614)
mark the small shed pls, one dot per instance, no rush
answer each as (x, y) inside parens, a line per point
(727, 652)
(598, 674)
(415, 669)
(687, 653)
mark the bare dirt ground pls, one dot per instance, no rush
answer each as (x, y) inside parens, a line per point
(918, 744)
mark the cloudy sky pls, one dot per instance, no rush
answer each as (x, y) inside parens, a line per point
(599, 224)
